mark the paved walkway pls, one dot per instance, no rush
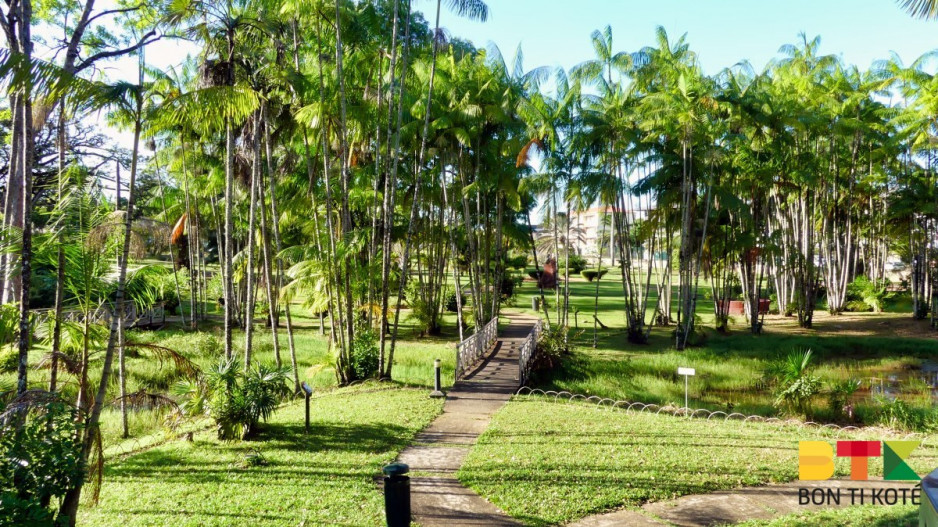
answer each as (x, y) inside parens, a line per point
(733, 506)
(437, 497)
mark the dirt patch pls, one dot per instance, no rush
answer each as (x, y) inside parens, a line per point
(854, 325)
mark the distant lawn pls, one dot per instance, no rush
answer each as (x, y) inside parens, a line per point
(547, 462)
(730, 368)
(324, 478)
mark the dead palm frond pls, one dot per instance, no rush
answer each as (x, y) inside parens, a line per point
(164, 354)
(145, 400)
(71, 365)
(524, 154)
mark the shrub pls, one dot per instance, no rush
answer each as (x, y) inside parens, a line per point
(797, 386)
(535, 275)
(839, 397)
(364, 354)
(870, 293)
(593, 274)
(576, 263)
(507, 289)
(904, 416)
(857, 306)
(517, 262)
(9, 359)
(39, 462)
(451, 302)
(238, 401)
(552, 346)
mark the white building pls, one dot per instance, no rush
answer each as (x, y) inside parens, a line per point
(592, 232)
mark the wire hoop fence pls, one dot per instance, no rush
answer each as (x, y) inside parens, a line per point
(708, 415)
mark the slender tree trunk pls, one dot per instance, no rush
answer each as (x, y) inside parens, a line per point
(229, 206)
(60, 263)
(69, 506)
(249, 264)
(26, 165)
(417, 183)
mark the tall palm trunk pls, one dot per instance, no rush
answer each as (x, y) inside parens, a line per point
(26, 168)
(417, 182)
(90, 432)
(60, 263)
(229, 206)
(390, 186)
(249, 263)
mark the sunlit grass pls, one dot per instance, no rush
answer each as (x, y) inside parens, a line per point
(551, 462)
(325, 477)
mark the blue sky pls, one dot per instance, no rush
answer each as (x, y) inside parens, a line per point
(722, 32)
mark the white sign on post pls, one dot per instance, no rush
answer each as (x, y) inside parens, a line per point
(686, 372)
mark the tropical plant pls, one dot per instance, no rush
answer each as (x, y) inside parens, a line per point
(239, 399)
(796, 385)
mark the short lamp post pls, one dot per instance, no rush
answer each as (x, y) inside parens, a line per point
(307, 392)
(437, 387)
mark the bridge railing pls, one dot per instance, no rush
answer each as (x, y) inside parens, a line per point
(131, 317)
(526, 355)
(469, 351)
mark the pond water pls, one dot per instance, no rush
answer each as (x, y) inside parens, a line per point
(916, 381)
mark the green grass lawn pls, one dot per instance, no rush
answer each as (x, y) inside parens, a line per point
(413, 364)
(324, 478)
(730, 367)
(858, 516)
(546, 462)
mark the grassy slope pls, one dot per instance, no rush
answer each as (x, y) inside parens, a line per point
(547, 462)
(413, 364)
(325, 478)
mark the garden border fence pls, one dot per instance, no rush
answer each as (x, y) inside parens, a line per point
(701, 413)
(469, 351)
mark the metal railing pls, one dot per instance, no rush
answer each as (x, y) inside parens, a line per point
(469, 351)
(528, 347)
(131, 317)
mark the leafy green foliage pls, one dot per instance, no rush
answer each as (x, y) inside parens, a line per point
(593, 274)
(39, 460)
(552, 347)
(238, 400)
(840, 394)
(9, 359)
(451, 305)
(364, 354)
(576, 263)
(796, 384)
(902, 415)
(864, 294)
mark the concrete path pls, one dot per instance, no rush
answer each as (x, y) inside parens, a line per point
(437, 497)
(732, 506)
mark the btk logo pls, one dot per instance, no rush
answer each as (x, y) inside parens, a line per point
(816, 459)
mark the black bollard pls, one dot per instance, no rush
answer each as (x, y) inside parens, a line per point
(397, 495)
(437, 385)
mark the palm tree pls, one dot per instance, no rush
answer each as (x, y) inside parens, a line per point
(924, 9)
